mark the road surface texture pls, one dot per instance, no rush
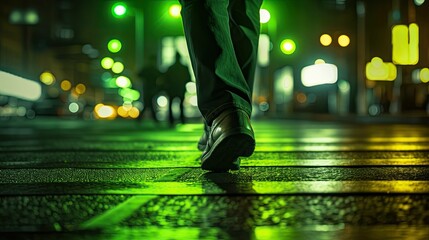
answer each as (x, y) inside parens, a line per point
(75, 179)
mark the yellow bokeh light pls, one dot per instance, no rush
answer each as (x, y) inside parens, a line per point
(405, 44)
(47, 78)
(379, 70)
(133, 112)
(319, 61)
(325, 40)
(424, 75)
(107, 63)
(104, 111)
(65, 85)
(343, 40)
(117, 67)
(123, 112)
(80, 88)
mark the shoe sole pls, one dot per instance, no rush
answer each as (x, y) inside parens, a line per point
(226, 150)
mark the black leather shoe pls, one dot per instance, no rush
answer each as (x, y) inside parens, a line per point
(202, 143)
(231, 136)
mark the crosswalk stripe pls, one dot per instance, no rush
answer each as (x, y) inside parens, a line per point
(117, 214)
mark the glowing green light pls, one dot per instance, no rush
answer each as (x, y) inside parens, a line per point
(129, 93)
(264, 16)
(123, 82)
(174, 10)
(114, 45)
(107, 63)
(117, 67)
(119, 9)
(288, 46)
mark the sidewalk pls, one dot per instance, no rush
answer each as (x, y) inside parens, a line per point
(312, 179)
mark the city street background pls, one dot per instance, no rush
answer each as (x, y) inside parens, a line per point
(340, 112)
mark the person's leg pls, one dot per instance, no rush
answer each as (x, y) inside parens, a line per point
(221, 84)
(224, 95)
(170, 111)
(182, 109)
(245, 28)
(152, 107)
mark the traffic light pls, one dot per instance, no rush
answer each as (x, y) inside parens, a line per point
(119, 9)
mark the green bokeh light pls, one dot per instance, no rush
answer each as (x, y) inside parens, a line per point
(107, 63)
(118, 67)
(123, 82)
(288, 46)
(114, 45)
(119, 9)
(174, 10)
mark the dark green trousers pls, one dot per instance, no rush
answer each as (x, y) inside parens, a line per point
(222, 38)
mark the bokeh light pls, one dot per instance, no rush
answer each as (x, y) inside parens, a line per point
(117, 67)
(73, 107)
(114, 45)
(123, 82)
(405, 42)
(104, 111)
(319, 74)
(133, 112)
(319, 61)
(80, 89)
(66, 85)
(162, 101)
(123, 111)
(288, 46)
(174, 10)
(119, 9)
(107, 63)
(191, 87)
(47, 78)
(325, 39)
(265, 15)
(343, 40)
(424, 75)
(12, 85)
(193, 101)
(379, 70)
(419, 2)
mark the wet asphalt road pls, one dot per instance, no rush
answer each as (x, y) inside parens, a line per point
(71, 179)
